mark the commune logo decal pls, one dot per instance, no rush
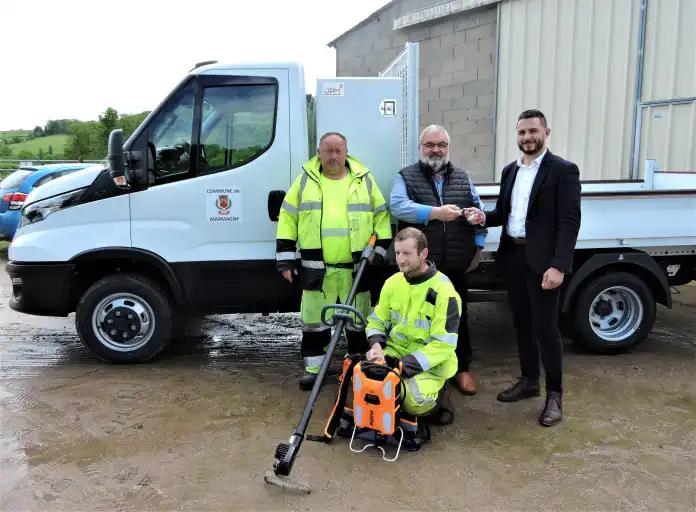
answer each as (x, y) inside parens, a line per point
(223, 205)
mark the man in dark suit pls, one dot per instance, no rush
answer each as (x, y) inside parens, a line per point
(539, 209)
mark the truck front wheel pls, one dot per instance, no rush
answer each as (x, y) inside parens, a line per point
(125, 318)
(614, 312)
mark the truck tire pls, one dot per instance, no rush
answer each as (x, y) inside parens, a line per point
(125, 318)
(614, 312)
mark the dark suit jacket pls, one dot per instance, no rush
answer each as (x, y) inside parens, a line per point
(553, 214)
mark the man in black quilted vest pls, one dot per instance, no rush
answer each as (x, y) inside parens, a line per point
(431, 195)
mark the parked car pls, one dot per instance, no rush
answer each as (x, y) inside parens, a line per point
(15, 188)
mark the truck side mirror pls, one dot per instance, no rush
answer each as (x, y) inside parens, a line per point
(275, 201)
(115, 158)
(136, 174)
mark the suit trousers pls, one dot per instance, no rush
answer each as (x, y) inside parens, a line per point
(463, 351)
(535, 313)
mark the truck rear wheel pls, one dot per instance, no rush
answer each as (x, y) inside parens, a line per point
(614, 312)
(125, 318)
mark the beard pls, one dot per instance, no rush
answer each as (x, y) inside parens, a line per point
(538, 145)
(435, 162)
(409, 270)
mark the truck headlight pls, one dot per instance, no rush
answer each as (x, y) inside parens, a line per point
(39, 210)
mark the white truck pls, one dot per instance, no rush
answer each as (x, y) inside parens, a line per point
(183, 219)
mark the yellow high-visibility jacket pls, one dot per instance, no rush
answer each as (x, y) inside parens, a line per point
(419, 320)
(299, 222)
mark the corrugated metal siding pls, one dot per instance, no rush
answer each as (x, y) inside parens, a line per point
(668, 132)
(575, 60)
(667, 135)
(670, 50)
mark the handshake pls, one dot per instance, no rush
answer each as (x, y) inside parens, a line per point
(450, 212)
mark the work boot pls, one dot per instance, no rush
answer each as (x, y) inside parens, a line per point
(308, 379)
(553, 410)
(413, 440)
(523, 388)
(439, 416)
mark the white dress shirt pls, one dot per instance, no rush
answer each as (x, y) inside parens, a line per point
(520, 196)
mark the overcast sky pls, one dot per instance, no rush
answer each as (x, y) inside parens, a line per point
(75, 58)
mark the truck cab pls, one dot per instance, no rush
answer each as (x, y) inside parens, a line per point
(188, 227)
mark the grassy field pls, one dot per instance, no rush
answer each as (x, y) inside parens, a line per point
(58, 142)
(8, 134)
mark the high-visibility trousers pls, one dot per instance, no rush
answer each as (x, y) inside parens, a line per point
(422, 390)
(315, 335)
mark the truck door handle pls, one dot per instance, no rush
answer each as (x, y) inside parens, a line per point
(275, 201)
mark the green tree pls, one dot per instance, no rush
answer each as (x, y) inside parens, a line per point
(56, 126)
(80, 146)
(5, 150)
(50, 149)
(108, 121)
(129, 122)
(25, 154)
(38, 131)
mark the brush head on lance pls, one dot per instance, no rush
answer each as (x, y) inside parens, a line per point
(285, 482)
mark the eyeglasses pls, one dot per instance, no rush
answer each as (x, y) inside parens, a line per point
(439, 145)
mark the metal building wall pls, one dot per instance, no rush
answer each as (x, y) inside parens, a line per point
(667, 113)
(670, 50)
(576, 61)
(667, 135)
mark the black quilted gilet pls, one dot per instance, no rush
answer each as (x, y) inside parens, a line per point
(450, 244)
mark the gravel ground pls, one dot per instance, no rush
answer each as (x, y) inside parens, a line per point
(196, 428)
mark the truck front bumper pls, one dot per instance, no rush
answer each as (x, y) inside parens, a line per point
(40, 288)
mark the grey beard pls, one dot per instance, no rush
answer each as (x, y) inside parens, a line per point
(436, 164)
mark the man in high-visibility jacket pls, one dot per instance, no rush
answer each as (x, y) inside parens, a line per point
(329, 214)
(416, 321)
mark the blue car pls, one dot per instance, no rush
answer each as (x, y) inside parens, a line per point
(15, 188)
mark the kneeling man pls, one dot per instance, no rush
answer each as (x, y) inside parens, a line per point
(416, 321)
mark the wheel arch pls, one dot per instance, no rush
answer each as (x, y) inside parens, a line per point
(92, 265)
(639, 264)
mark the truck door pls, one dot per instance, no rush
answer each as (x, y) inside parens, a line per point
(218, 146)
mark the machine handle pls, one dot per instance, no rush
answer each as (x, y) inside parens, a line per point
(361, 322)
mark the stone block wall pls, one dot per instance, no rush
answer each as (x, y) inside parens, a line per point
(456, 76)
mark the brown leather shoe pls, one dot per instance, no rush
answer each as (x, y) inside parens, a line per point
(553, 410)
(465, 383)
(523, 388)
